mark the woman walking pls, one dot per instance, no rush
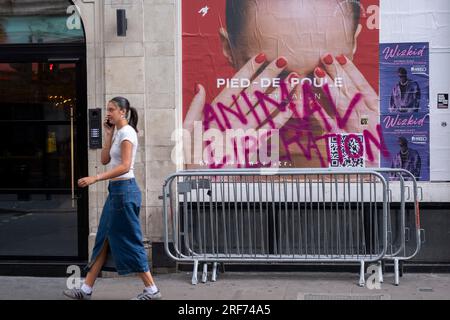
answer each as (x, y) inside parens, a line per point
(119, 231)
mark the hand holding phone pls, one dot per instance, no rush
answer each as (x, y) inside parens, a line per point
(109, 126)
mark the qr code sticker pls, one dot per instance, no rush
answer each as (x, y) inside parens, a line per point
(346, 151)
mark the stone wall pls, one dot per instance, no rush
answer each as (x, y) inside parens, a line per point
(140, 67)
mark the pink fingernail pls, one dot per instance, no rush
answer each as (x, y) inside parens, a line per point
(260, 58)
(341, 59)
(328, 59)
(319, 72)
(293, 76)
(281, 62)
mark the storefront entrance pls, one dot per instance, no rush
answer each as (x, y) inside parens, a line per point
(42, 152)
(43, 142)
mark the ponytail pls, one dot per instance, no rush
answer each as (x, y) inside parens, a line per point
(133, 118)
(123, 103)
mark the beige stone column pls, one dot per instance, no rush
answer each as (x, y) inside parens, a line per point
(140, 67)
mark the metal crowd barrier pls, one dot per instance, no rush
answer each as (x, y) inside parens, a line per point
(404, 230)
(291, 216)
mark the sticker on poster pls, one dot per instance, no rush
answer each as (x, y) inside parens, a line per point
(442, 101)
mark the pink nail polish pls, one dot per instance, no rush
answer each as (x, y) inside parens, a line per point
(328, 59)
(341, 59)
(281, 62)
(319, 72)
(293, 76)
(260, 58)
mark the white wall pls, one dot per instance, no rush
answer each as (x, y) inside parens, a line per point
(427, 21)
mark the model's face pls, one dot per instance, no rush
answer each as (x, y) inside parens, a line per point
(403, 146)
(302, 31)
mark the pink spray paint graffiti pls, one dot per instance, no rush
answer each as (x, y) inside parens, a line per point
(218, 116)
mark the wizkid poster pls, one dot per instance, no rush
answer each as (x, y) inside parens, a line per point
(404, 78)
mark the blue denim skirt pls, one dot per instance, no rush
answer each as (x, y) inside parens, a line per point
(120, 227)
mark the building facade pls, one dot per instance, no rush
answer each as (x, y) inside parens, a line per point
(55, 80)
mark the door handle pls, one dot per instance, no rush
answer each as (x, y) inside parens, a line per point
(72, 156)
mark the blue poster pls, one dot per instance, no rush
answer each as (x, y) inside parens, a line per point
(404, 94)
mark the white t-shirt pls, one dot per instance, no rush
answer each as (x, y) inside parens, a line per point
(125, 133)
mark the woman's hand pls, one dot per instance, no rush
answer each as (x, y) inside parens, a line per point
(226, 97)
(353, 83)
(365, 115)
(87, 181)
(108, 126)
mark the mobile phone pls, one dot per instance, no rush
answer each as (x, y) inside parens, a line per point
(108, 123)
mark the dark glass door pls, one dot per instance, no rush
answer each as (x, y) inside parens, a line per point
(42, 155)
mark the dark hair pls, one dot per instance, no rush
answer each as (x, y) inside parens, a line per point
(402, 71)
(123, 103)
(403, 141)
(235, 14)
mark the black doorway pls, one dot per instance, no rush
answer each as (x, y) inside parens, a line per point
(43, 152)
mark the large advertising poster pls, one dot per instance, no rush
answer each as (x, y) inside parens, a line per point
(281, 83)
(404, 75)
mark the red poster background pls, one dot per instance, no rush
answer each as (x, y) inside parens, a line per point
(203, 61)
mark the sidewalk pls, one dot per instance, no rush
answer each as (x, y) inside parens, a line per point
(241, 286)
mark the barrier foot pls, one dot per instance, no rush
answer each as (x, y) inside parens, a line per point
(214, 272)
(396, 272)
(194, 273)
(362, 280)
(380, 272)
(205, 273)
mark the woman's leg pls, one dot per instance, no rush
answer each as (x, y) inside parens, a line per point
(97, 266)
(147, 278)
(151, 292)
